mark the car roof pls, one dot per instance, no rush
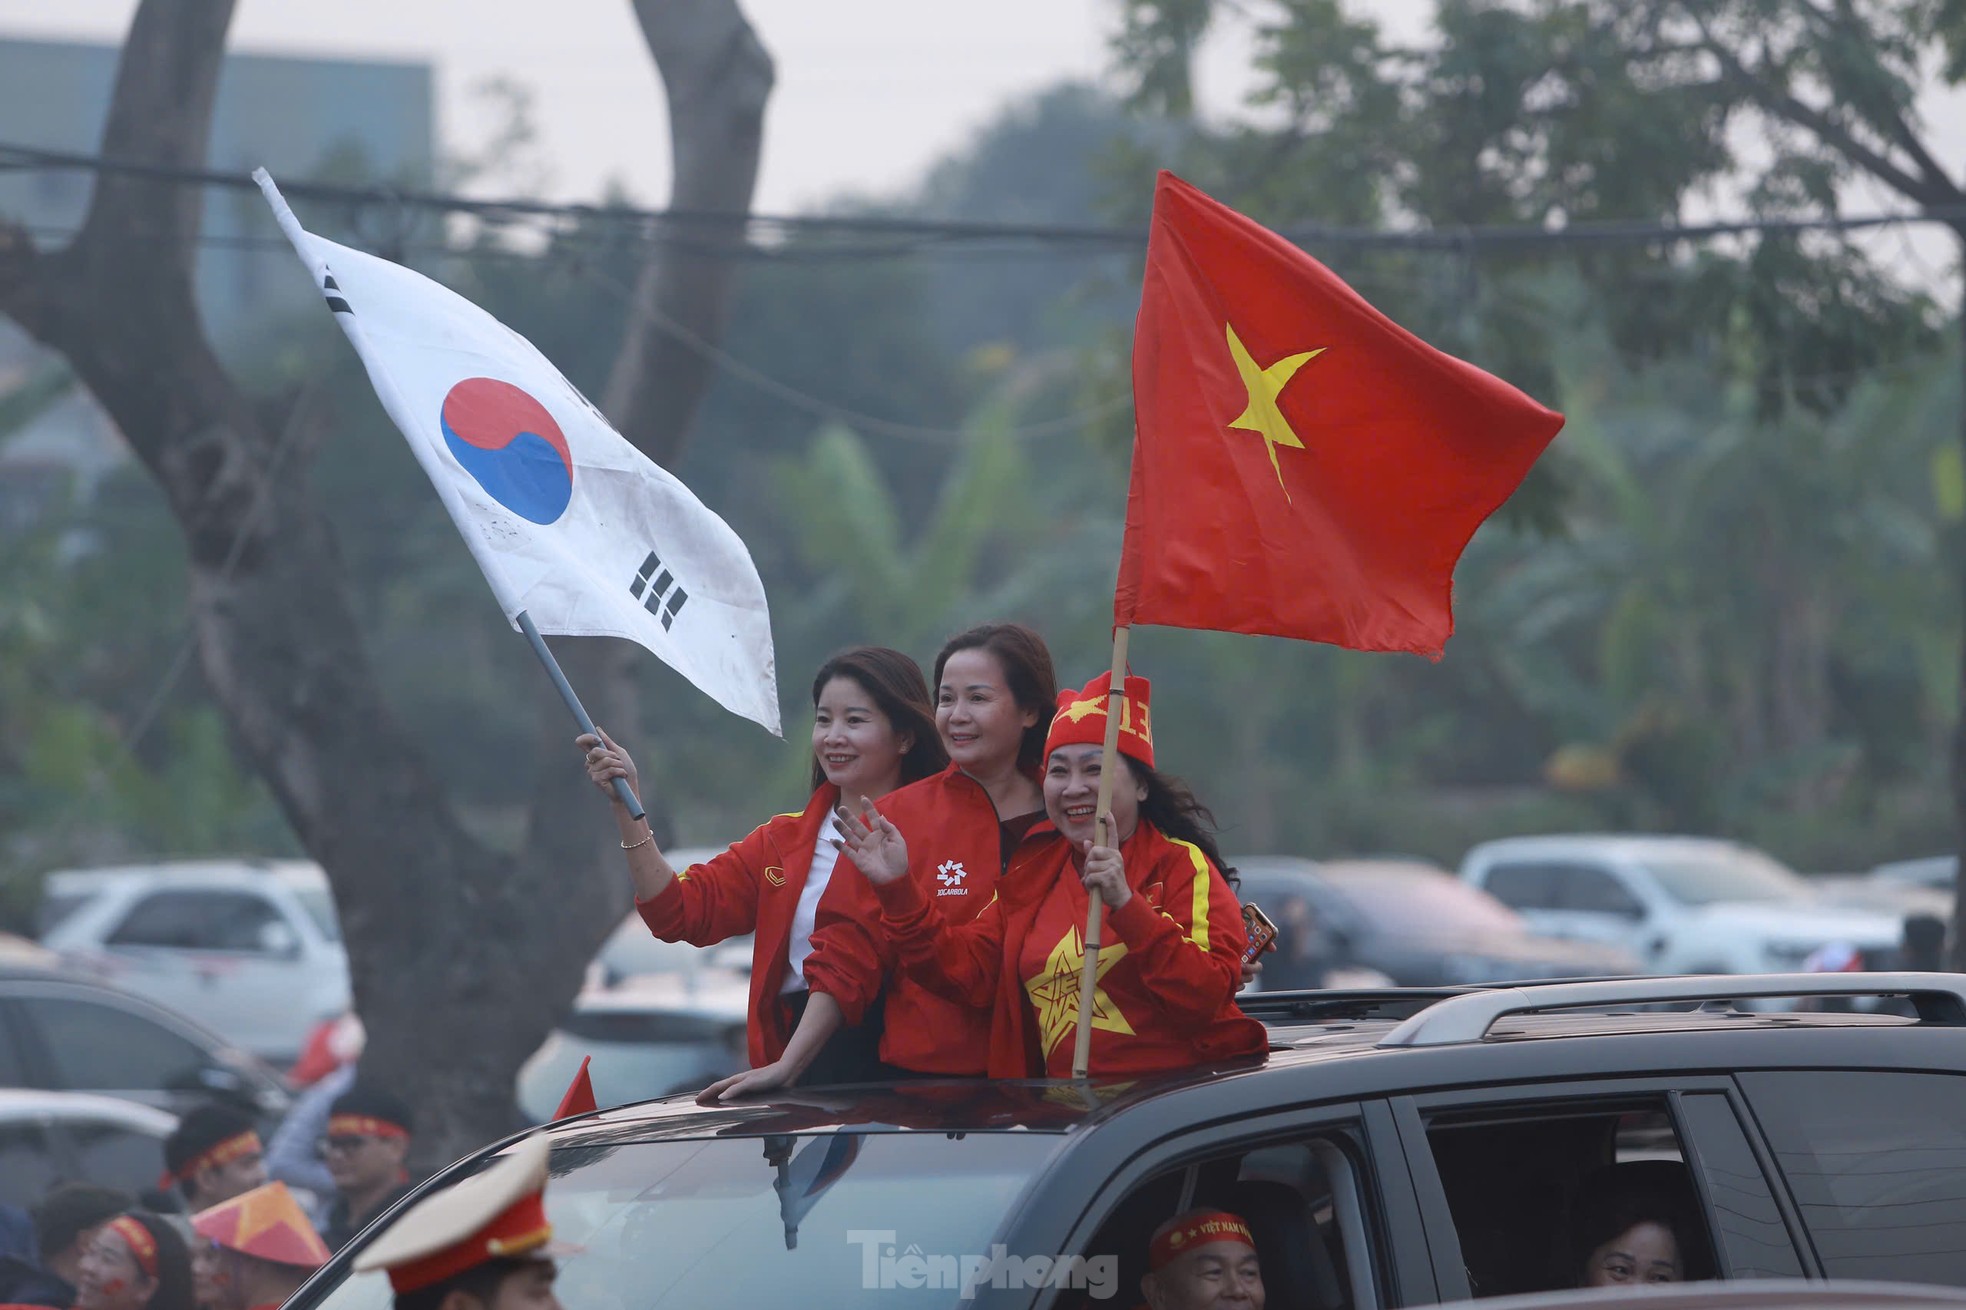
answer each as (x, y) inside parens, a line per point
(291, 873)
(17, 1103)
(1627, 845)
(1404, 1032)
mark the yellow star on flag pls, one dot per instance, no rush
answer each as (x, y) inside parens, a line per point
(1055, 992)
(1264, 386)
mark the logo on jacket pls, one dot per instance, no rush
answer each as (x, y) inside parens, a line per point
(950, 873)
(775, 876)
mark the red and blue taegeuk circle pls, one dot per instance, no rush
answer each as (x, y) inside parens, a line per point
(508, 442)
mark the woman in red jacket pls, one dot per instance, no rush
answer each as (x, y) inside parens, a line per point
(993, 704)
(872, 731)
(1171, 941)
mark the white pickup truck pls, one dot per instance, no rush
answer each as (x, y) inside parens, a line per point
(1681, 904)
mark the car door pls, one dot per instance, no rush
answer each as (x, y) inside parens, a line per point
(112, 1153)
(226, 957)
(1304, 1180)
(1497, 1174)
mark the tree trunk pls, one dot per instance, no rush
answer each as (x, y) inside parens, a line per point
(1957, 955)
(457, 972)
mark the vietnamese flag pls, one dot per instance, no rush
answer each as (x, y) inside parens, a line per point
(580, 1093)
(1303, 466)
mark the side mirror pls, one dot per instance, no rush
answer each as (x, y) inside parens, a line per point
(277, 938)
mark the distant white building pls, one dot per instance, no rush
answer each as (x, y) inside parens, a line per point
(300, 117)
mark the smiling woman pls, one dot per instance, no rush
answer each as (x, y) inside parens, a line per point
(872, 731)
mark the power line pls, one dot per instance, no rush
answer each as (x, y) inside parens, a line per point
(735, 235)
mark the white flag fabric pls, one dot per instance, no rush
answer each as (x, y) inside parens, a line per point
(570, 523)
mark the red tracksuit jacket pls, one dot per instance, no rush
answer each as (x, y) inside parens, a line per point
(1169, 960)
(954, 860)
(754, 887)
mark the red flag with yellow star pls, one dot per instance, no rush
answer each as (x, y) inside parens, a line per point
(1304, 466)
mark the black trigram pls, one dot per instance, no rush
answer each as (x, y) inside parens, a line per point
(333, 293)
(664, 598)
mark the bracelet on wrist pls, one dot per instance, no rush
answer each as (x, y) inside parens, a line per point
(646, 839)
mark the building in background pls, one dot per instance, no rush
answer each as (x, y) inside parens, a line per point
(351, 120)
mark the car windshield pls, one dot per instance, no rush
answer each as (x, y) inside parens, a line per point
(1412, 902)
(1729, 875)
(320, 908)
(791, 1221)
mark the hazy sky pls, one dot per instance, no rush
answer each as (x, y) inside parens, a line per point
(869, 91)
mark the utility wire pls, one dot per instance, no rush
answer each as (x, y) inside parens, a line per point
(750, 230)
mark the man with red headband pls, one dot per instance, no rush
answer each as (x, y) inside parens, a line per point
(254, 1251)
(1201, 1260)
(484, 1244)
(213, 1155)
(367, 1139)
(1171, 940)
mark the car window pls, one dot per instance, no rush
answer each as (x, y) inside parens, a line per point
(1304, 1205)
(1726, 875)
(1523, 886)
(114, 1155)
(13, 1066)
(1753, 1241)
(1877, 1163)
(1514, 1175)
(101, 1047)
(1422, 903)
(197, 921)
(320, 908)
(830, 1219)
(1596, 891)
(27, 1163)
(57, 906)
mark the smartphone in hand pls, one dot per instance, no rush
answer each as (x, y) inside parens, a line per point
(1262, 933)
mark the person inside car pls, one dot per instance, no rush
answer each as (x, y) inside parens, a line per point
(994, 688)
(872, 731)
(1201, 1260)
(213, 1155)
(136, 1262)
(254, 1251)
(484, 1244)
(1629, 1225)
(1172, 939)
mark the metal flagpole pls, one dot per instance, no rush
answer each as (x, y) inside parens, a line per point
(1108, 765)
(540, 648)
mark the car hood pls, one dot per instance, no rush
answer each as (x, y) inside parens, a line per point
(1804, 923)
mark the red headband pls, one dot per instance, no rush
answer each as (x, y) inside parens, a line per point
(140, 1241)
(1197, 1230)
(366, 1125)
(1081, 718)
(232, 1148)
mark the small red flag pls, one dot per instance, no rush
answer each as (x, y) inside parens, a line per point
(580, 1093)
(1304, 466)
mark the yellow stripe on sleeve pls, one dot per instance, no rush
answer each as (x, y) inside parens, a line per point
(1198, 933)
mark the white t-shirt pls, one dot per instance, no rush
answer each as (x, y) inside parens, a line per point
(824, 856)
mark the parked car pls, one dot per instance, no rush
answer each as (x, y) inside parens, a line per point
(1681, 904)
(251, 949)
(650, 1035)
(1413, 924)
(63, 1032)
(1394, 1149)
(51, 1137)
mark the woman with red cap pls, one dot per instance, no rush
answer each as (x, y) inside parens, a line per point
(994, 689)
(872, 731)
(1172, 938)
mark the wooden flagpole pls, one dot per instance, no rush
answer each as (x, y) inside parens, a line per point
(1109, 763)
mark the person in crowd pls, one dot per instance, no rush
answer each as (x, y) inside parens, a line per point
(994, 689)
(137, 1261)
(484, 1244)
(64, 1222)
(293, 1154)
(367, 1139)
(872, 731)
(1200, 1260)
(1630, 1224)
(254, 1251)
(1171, 942)
(213, 1155)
